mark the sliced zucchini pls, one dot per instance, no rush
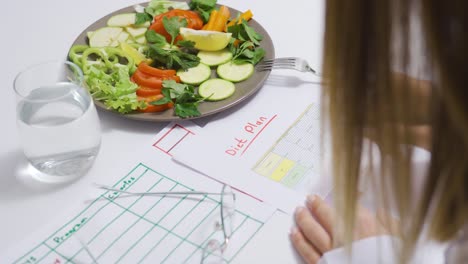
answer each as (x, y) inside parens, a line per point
(135, 32)
(125, 20)
(105, 36)
(216, 89)
(235, 72)
(195, 75)
(89, 34)
(140, 40)
(122, 20)
(123, 37)
(214, 58)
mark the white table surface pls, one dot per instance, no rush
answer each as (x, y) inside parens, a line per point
(35, 31)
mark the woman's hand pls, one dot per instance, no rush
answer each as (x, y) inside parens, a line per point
(313, 235)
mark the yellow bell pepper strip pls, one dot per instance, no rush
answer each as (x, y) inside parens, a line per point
(222, 19)
(211, 21)
(247, 15)
(218, 19)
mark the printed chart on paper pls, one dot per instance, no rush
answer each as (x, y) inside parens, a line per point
(295, 156)
(142, 229)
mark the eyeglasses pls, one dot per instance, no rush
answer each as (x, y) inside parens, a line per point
(213, 249)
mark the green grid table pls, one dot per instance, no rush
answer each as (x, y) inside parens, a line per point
(119, 228)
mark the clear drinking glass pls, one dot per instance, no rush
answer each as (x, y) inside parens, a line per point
(57, 121)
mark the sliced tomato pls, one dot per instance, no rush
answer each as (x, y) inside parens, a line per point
(145, 68)
(146, 80)
(193, 21)
(143, 91)
(175, 78)
(154, 108)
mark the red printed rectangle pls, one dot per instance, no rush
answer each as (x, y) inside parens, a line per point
(172, 138)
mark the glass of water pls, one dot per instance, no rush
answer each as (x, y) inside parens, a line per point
(57, 121)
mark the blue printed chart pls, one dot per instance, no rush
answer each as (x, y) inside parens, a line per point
(119, 228)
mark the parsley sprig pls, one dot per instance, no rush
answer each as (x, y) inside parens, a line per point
(244, 44)
(203, 7)
(183, 96)
(166, 54)
(172, 26)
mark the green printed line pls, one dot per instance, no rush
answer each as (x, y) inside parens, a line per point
(234, 232)
(211, 235)
(251, 218)
(248, 240)
(238, 212)
(169, 179)
(61, 255)
(185, 238)
(109, 202)
(167, 230)
(195, 228)
(113, 220)
(151, 222)
(140, 217)
(162, 218)
(240, 249)
(105, 205)
(126, 210)
(73, 219)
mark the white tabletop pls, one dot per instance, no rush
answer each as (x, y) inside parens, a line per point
(35, 31)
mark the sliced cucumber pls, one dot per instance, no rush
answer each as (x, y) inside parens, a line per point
(216, 89)
(105, 36)
(140, 39)
(89, 34)
(135, 32)
(123, 37)
(122, 20)
(214, 58)
(235, 72)
(125, 20)
(195, 75)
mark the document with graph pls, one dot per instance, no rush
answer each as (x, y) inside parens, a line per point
(118, 226)
(273, 152)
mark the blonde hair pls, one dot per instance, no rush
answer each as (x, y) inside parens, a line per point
(364, 94)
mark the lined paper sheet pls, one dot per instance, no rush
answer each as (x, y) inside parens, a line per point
(120, 228)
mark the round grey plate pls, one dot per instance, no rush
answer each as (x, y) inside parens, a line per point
(244, 89)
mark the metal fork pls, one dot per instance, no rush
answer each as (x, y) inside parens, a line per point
(293, 63)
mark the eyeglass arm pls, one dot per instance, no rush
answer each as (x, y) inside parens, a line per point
(156, 193)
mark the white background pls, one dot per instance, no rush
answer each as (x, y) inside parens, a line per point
(35, 31)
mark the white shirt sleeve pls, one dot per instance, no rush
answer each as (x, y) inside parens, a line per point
(379, 249)
(384, 250)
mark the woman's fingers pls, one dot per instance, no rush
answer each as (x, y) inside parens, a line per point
(303, 247)
(322, 212)
(313, 230)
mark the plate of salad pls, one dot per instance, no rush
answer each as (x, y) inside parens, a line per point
(170, 60)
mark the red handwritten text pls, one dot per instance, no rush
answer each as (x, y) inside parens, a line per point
(252, 130)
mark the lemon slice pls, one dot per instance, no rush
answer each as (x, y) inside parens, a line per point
(133, 53)
(206, 40)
